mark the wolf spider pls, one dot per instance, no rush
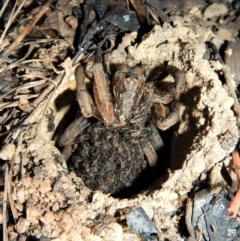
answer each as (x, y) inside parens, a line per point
(118, 125)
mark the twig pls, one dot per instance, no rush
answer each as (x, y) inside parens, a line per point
(188, 218)
(234, 206)
(47, 90)
(28, 28)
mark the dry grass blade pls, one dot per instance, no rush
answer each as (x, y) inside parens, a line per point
(18, 10)
(4, 95)
(24, 86)
(9, 186)
(31, 84)
(7, 26)
(11, 19)
(30, 96)
(5, 201)
(8, 105)
(4, 7)
(153, 15)
(27, 29)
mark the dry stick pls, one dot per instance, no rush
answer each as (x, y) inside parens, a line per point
(57, 82)
(188, 217)
(47, 90)
(234, 206)
(36, 102)
(5, 235)
(28, 28)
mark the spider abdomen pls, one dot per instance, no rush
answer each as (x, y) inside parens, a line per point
(109, 159)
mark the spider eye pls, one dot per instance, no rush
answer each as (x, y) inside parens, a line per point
(127, 75)
(172, 88)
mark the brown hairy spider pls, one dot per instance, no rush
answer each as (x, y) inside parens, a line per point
(110, 153)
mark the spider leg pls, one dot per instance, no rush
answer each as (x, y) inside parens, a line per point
(83, 97)
(150, 153)
(164, 122)
(173, 91)
(155, 138)
(152, 144)
(69, 135)
(161, 118)
(73, 130)
(161, 97)
(102, 95)
(179, 77)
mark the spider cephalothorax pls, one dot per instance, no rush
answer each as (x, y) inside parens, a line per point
(109, 154)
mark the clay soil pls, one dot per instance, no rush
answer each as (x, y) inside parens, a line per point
(41, 198)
